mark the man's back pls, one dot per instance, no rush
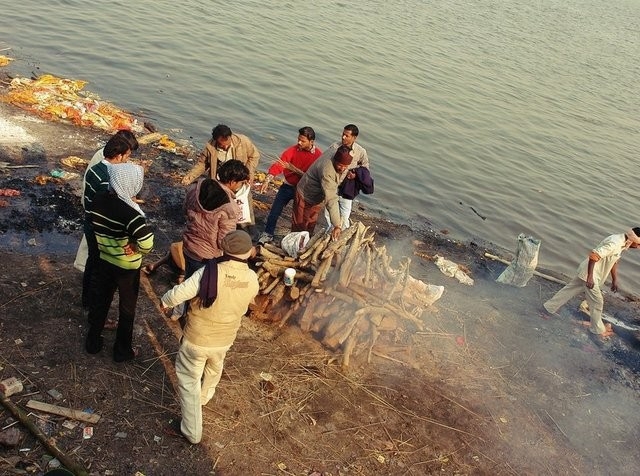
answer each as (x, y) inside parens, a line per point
(117, 225)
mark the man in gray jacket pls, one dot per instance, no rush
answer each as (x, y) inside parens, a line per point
(318, 187)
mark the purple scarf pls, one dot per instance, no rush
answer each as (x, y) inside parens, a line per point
(209, 283)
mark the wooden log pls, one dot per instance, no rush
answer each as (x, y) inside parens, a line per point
(319, 249)
(265, 253)
(350, 257)
(274, 249)
(366, 296)
(263, 279)
(388, 323)
(258, 306)
(270, 287)
(307, 316)
(384, 356)
(284, 262)
(76, 468)
(294, 293)
(292, 309)
(277, 294)
(333, 330)
(367, 272)
(346, 297)
(313, 242)
(375, 333)
(63, 411)
(348, 347)
(277, 271)
(319, 324)
(322, 270)
(334, 246)
(346, 331)
(273, 269)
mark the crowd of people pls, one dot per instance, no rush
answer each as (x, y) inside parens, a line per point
(215, 282)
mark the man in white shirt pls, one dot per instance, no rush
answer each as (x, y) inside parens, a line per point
(360, 159)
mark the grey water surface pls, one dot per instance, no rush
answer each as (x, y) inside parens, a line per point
(484, 118)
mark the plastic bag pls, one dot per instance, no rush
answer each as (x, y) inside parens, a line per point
(81, 255)
(451, 269)
(519, 272)
(242, 199)
(420, 293)
(295, 242)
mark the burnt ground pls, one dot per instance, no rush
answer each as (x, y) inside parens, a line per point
(487, 388)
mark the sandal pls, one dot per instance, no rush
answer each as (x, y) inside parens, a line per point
(110, 325)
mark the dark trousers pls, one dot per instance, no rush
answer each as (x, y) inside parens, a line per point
(285, 194)
(191, 265)
(106, 279)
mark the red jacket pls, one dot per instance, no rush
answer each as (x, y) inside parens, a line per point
(301, 159)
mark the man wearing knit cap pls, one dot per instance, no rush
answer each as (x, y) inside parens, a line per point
(591, 276)
(219, 296)
(317, 187)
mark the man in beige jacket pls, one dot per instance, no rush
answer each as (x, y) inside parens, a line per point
(223, 146)
(219, 296)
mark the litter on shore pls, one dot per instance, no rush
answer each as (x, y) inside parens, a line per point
(64, 99)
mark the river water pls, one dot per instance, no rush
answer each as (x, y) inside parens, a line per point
(483, 118)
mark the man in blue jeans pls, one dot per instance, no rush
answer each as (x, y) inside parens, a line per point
(293, 162)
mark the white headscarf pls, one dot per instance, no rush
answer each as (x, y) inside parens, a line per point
(126, 180)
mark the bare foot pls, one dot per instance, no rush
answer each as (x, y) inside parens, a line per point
(608, 329)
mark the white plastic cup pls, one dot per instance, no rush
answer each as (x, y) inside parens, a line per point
(289, 276)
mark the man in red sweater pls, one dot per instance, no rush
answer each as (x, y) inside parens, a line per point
(293, 162)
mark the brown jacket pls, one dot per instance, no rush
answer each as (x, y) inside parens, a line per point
(205, 229)
(242, 149)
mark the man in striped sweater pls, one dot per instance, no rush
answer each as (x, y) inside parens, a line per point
(96, 180)
(122, 237)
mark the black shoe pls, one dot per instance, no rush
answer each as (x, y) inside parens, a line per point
(174, 429)
(125, 357)
(93, 344)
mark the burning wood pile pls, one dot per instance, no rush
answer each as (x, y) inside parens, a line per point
(345, 292)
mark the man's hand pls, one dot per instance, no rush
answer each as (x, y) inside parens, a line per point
(335, 233)
(351, 175)
(265, 185)
(614, 285)
(130, 249)
(590, 283)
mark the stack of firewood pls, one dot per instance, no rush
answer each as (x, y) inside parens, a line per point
(345, 291)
